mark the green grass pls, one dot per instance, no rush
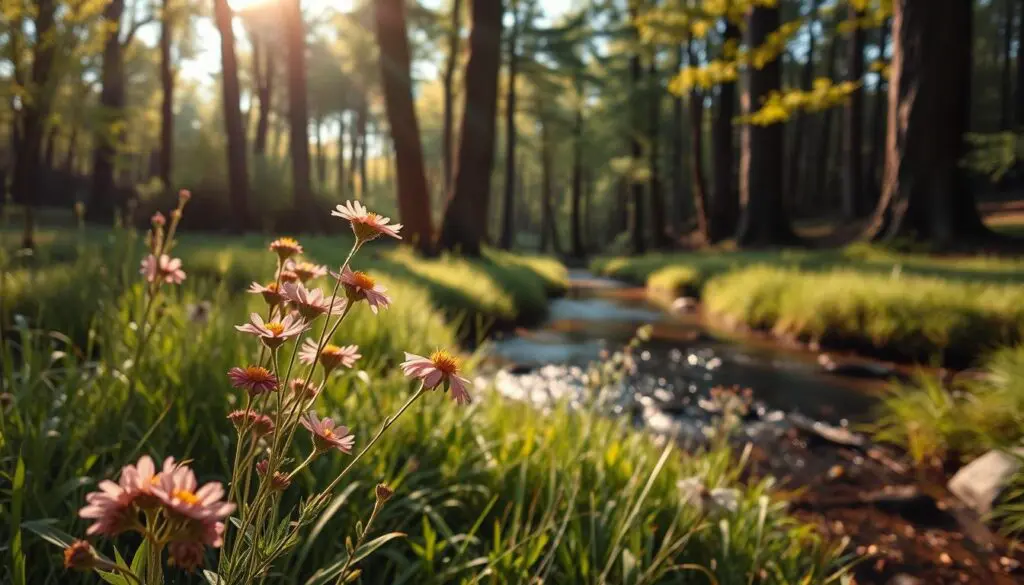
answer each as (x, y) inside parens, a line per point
(934, 423)
(496, 492)
(911, 306)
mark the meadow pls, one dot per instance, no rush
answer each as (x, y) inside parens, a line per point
(495, 492)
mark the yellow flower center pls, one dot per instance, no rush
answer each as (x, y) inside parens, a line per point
(275, 328)
(331, 350)
(445, 362)
(258, 374)
(272, 287)
(185, 496)
(288, 276)
(363, 280)
(328, 434)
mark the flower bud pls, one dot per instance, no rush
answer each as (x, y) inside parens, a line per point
(183, 196)
(80, 556)
(158, 219)
(383, 493)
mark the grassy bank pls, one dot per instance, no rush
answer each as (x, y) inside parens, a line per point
(495, 492)
(904, 306)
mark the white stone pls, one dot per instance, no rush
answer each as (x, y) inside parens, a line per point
(979, 483)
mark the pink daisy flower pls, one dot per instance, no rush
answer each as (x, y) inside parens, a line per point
(260, 424)
(273, 333)
(303, 390)
(361, 286)
(311, 303)
(114, 508)
(366, 225)
(255, 380)
(270, 293)
(331, 356)
(180, 494)
(164, 269)
(326, 435)
(285, 248)
(286, 276)
(306, 271)
(440, 368)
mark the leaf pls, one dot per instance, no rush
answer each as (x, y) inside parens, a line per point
(325, 575)
(17, 491)
(112, 578)
(45, 529)
(212, 578)
(139, 560)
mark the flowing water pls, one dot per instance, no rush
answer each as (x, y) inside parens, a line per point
(675, 369)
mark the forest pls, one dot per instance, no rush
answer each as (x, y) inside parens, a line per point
(656, 291)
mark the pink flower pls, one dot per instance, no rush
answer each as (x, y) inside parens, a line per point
(158, 219)
(186, 555)
(279, 482)
(361, 286)
(306, 271)
(440, 368)
(311, 303)
(114, 508)
(181, 496)
(260, 424)
(331, 356)
(326, 436)
(80, 556)
(285, 248)
(273, 333)
(165, 269)
(255, 380)
(366, 225)
(270, 293)
(303, 390)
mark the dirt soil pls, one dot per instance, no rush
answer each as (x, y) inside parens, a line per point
(904, 525)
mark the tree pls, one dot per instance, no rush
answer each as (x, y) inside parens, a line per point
(298, 107)
(662, 227)
(238, 170)
(697, 154)
(167, 23)
(507, 218)
(413, 196)
(577, 174)
(637, 223)
(1020, 71)
(925, 194)
(854, 201)
(1006, 77)
(723, 212)
(454, 37)
(763, 220)
(465, 219)
(796, 158)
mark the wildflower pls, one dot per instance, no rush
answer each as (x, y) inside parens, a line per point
(181, 496)
(366, 225)
(331, 356)
(285, 248)
(303, 390)
(273, 333)
(270, 293)
(361, 286)
(255, 380)
(286, 276)
(166, 269)
(260, 424)
(158, 220)
(183, 196)
(306, 271)
(311, 303)
(383, 493)
(279, 482)
(80, 556)
(113, 508)
(440, 368)
(326, 436)
(186, 555)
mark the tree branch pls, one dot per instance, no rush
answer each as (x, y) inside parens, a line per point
(136, 25)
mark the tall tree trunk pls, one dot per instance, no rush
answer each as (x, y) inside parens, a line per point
(700, 188)
(395, 63)
(821, 171)
(264, 64)
(796, 158)
(447, 148)
(364, 150)
(321, 155)
(340, 160)
(1007, 76)
(548, 225)
(112, 101)
(763, 221)
(680, 208)
(854, 202)
(724, 208)
(577, 181)
(1019, 118)
(926, 193)
(298, 108)
(878, 115)
(507, 219)
(661, 224)
(637, 219)
(49, 148)
(166, 156)
(466, 217)
(237, 157)
(69, 159)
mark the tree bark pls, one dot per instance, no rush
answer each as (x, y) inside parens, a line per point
(237, 157)
(724, 207)
(395, 63)
(69, 160)
(298, 107)
(763, 221)
(508, 221)
(680, 209)
(466, 217)
(264, 65)
(637, 218)
(454, 37)
(340, 160)
(166, 156)
(1007, 76)
(577, 181)
(112, 101)
(548, 225)
(854, 202)
(1019, 118)
(661, 224)
(50, 147)
(926, 193)
(697, 155)
(878, 115)
(796, 158)
(821, 171)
